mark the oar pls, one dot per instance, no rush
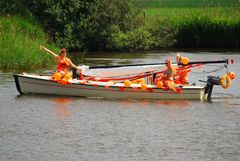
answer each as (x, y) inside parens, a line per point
(194, 62)
(206, 62)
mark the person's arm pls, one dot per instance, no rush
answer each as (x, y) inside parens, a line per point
(73, 65)
(49, 51)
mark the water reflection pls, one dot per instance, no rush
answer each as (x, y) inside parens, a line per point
(62, 107)
(163, 103)
(5, 78)
(176, 103)
(70, 128)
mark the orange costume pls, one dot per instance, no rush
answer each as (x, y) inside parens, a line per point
(182, 72)
(182, 76)
(167, 77)
(63, 63)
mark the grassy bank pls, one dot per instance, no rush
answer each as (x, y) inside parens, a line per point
(19, 43)
(227, 13)
(193, 24)
(185, 3)
(210, 27)
(179, 27)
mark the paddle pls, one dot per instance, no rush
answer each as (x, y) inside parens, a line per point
(190, 63)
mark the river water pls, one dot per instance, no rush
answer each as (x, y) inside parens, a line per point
(52, 128)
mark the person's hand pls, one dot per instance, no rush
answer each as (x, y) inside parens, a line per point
(79, 69)
(41, 47)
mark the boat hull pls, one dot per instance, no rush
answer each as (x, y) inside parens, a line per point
(29, 84)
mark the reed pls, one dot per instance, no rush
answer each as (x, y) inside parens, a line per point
(20, 38)
(217, 27)
(185, 3)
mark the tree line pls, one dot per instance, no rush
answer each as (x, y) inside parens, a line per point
(110, 25)
(79, 24)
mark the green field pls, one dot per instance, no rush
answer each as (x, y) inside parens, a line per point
(192, 23)
(227, 13)
(229, 9)
(185, 3)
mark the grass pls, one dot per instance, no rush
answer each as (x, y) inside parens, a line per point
(185, 3)
(200, 27)
(20, 38)
(227, 13)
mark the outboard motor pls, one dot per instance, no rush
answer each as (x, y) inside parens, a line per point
(211, 81)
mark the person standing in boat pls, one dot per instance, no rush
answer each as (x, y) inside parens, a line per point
(63, 61)
(182, 72)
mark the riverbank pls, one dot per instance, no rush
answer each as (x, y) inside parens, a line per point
(162, 29)
(19, 42)
(209, 27)
(216, 27)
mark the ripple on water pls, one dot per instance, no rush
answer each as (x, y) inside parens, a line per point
(34, 127)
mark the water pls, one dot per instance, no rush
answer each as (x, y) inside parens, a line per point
(35, 127)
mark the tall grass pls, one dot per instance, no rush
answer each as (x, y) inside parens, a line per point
(211, 27)
(19, 43)
(227, 13)
(185, 3)
(204, 32)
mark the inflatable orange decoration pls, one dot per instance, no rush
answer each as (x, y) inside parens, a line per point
(159, 84)
(185, 60)
(143, 86)
(231, 75)
(67, 76)
(57, 76)
(127, 83)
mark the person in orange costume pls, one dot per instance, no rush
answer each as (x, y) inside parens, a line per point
(63, 61)
(170, 72)
(168, 75)
(182, 74)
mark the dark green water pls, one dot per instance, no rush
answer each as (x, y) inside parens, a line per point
(35, 127)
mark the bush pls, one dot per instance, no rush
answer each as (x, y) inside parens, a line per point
(163, 32)
(107, 13)
(137, 39)
(14, 7)
(84, 24)
(66, 22)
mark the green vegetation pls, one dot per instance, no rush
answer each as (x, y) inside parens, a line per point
(192, 24)
(19, 42)
(185, 3)
(84, 24)
(228, 13)
(217, 27)
(110, 25)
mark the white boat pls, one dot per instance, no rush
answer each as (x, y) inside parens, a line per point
(103, 86)
(35, 84)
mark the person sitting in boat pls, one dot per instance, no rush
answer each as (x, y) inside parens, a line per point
(170, 72)
(182, 72)
(63, 61)
(167, 78)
